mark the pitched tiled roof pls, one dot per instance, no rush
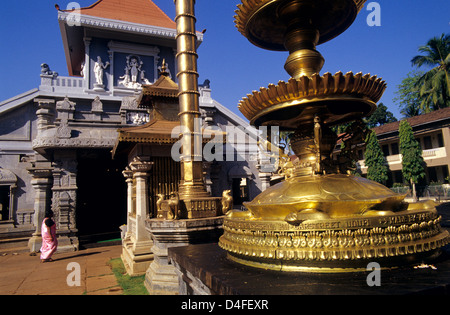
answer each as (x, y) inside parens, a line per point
(156, 131)
(134, 11)
(415, 121)
(159, 131)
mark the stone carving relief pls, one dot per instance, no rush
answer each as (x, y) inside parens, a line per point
(64, 191)
(65, 173)
(97, 105)
(137, 118)
(134, 75)
(131, 114)
(129, 102)
(65, 110)
(99, 68)
(7, 177)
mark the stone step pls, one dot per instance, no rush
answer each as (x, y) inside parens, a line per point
(15, 245)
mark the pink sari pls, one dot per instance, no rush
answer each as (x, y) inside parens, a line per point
(48, 246)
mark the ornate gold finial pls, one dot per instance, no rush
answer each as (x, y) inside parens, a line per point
(163, 69)
(297, 26)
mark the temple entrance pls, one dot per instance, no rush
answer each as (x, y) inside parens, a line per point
(101, 197)
(240, 191)
(4, 203)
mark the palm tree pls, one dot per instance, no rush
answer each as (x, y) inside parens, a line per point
(434, 85)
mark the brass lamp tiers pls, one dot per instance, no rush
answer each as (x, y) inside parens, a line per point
(343, 97)
(321, 218)
(262, 23)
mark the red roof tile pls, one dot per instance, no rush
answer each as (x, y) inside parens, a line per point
(134, 11)
(415, 121)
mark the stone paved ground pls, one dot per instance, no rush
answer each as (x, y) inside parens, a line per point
(22, 274)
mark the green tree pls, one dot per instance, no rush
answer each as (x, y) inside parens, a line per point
(434, 85)
(408, 97)
(377, 169)
(412, 160)
(380, 117)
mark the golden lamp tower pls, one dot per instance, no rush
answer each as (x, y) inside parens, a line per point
(192, 185)
(320, 218)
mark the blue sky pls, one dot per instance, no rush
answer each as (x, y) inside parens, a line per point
(30, 36)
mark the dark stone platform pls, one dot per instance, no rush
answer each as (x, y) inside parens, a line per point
(209, 266)
(205, 269)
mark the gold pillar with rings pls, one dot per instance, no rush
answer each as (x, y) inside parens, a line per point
(192, 184)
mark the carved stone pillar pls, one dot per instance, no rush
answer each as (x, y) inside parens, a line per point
(65, 111)
(140, 174)
(41, 182)
(265, 180)
(136, 253)
(128, 174)
(45, 114)
(64, 199)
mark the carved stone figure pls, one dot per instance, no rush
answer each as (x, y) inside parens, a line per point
(134, 73)
(45, 70)
(174, 206)
(97, 105)
(99, 68)
(227, 201)
(135, 67)
(138, 118)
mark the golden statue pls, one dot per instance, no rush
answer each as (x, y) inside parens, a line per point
(320, 218)
(227, 201)
(159, 203)
(174, 206)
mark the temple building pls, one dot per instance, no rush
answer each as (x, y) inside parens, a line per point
(70, 144)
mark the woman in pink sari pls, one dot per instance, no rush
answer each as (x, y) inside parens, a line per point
(49, 241)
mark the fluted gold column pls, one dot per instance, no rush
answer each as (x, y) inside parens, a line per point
(192, 185)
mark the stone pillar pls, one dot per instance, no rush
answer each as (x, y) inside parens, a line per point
(87, 64)
(12, 205)
(136, 253)
(140, 174)
(128, 174)
(265, 180)
(65, 110)
(64, 200)
(45, 115)
(41, 182)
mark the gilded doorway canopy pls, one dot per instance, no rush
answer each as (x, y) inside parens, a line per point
(164, 128)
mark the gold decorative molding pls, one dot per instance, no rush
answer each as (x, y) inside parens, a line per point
(257, 20)
(314, 89)
(270, 246)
